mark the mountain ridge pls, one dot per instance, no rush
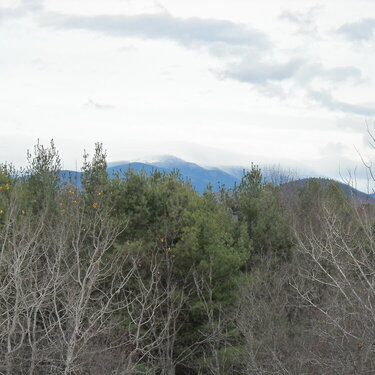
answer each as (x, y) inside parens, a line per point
(202, 176)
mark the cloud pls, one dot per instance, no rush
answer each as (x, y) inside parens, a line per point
(305, 21)
(309, 72)
(32, 5)
(21, 10)
(328, 101)
(252, 67)
(11, 13)
(360, 30)
(39, 64)
(186, 31)
(339, 74)
(91, 104)
(269, 78)
(251, 70)
(246, 54)
(333, 148)
(351, 122)
(128, 48)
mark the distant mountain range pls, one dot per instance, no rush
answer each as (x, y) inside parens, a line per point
(200, 177)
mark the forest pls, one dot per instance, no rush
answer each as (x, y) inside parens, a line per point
(140, 274)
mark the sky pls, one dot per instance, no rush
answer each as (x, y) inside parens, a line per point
(224, 82)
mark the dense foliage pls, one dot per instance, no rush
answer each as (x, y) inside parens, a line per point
(139, 274)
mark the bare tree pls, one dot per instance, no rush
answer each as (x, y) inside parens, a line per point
(61, 283)
(337, 280)
(217, 349)
(267, 321)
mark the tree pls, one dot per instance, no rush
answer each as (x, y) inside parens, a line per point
(262, 217)
(42, 177)
(62, 279)
(337, 281)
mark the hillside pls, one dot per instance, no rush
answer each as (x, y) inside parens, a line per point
(291, 187)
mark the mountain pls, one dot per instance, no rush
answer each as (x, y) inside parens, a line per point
(200, 177)
(359, 196)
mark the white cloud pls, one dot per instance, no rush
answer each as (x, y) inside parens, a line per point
(223, 82)
(187, 31)
(304, 21)
(359, 30)
(328, 101)
(254, 71)
(309, 72)
(91, 104)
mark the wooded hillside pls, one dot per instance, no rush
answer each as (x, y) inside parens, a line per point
(140, 274)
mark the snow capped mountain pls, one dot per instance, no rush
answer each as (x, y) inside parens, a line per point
(199, 177)
(170, 161)
(162, 161)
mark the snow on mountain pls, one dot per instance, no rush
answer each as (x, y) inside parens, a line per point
(199, 177)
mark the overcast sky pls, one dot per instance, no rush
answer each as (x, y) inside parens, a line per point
(222, 82)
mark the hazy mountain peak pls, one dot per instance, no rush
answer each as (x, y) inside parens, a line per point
(152, 160)
(167, 160)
